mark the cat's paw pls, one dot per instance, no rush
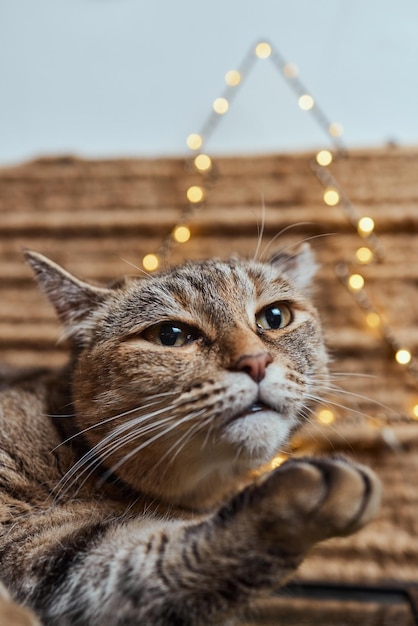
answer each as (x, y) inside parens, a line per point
(309, 500)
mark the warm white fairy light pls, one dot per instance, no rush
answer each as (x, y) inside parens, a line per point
(325, 416)
(356, 282)
(365, 226)
(336, 129)
(233, 78)
(373, 319)
(364, 255)
(150, 262)
(181, 234)
(195, 194)
(403, 356)
(290, 70)
(194, 141)
(331, 196)
(263, 50)
(306, 102)
(203, 162)
(324, 158)
(220, 106)
(414, 411)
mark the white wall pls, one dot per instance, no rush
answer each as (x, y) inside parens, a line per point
(129, 77)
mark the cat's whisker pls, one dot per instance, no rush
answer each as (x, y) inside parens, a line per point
(180, 444)
(260, 228)
(115, 442)
(112, 442)
(310, 419)
(89, 461)
(144, 444)
(185, 438)
(332, 375)
(333, 403)
(298, 243)
(115, 417)
(135, 422)
(336, 389)
(135, 267)
(208, 434)
(278, 235)
(107, 446)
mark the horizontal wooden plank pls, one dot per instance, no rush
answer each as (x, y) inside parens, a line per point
(98, 217)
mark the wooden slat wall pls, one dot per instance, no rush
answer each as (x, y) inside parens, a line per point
(98, 217)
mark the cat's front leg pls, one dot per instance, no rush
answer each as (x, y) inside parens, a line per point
(165, 573)
(206, 573)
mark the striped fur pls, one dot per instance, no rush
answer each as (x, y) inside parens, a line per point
(130, 484)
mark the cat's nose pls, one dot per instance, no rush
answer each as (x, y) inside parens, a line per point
(254, 365)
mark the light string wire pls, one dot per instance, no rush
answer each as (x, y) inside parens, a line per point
(371, 250)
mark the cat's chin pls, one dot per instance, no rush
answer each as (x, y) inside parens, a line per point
(249, 441)
(258, 434)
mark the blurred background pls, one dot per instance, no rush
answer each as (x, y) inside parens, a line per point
(109, 78)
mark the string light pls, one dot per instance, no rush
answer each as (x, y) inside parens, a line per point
(403, 356)
(195, 194)
(324, 158)
(263, 50)
(203, 163)
(331, 196)
(356, 282)
(325, 416)
(335, 129)
(150, 262)
(221, 106)
(290, 70)
(364, 255)
(233, 78)
(181, 234)
(306, 102)
(415, 411)
(373, 319)
(365, 226)
(194, 141)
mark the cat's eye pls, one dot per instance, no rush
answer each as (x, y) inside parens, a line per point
(171, 334)
(274, 316)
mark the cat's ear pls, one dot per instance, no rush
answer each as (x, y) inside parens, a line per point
(300, 266)
(72, 298)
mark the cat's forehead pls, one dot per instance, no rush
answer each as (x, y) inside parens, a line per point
(224, 276)
(216, 284)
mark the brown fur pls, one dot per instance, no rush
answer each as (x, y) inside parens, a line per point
(127, 482)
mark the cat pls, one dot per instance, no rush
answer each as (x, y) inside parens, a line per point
(131, 490)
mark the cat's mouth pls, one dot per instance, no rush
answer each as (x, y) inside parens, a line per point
(256, 407)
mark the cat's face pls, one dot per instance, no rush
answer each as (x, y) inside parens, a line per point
(194, 376)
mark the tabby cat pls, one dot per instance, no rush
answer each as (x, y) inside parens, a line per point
(130, 490)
